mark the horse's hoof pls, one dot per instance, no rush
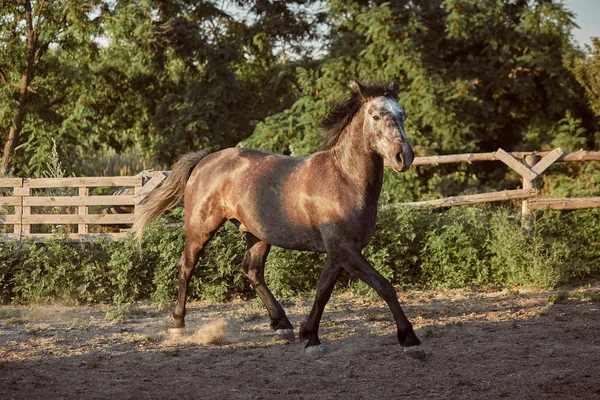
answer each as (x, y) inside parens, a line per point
(315, 351)
(177, 332)
(417, 352)
(286, 334)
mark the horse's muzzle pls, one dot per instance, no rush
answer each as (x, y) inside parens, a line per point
(403, 160)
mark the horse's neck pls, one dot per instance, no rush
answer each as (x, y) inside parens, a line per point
(357, 160)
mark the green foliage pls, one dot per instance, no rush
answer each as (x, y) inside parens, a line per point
(454, 250)
(219, 274)
(462, 246)
(587, 71)
(518, 257)
(395, 247)
(9, 260)
(474, 76)
(163, 76)
(576, 234)
(558, 298)
(53, 270)
(289, 273)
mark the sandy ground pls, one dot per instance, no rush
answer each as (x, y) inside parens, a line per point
(527, 345)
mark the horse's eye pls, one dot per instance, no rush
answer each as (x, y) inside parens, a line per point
(376, 117)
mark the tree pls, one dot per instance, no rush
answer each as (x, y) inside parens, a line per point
(161, 76)
(28, 30)
(475, 76)
(587, 72)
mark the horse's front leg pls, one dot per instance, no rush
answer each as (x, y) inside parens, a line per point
(310, 328)
(358, 266)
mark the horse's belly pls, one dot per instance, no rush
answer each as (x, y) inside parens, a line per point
(287, 236)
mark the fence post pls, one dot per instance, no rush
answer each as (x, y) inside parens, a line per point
(82, 210)
(526, 216)
(23, 210)
(25, 227)
(18, 226)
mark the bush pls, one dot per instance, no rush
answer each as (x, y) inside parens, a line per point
(289, 273)
(481, 246)
(455, 252)
(9, 260)
(520, 258)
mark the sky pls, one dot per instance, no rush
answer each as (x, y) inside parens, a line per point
(587, 17)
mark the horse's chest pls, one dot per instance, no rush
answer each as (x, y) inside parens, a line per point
(365, 228)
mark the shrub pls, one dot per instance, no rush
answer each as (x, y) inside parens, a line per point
(289, 273)
(9, 262)
(454, 252)
(521, 258)
(482, 246)
(51, 270)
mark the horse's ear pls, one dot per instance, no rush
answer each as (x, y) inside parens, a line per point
(357, 87)
(393, 88)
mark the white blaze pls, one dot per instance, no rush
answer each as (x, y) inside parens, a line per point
(392, 106)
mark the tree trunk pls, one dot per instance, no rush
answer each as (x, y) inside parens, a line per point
(15, 129)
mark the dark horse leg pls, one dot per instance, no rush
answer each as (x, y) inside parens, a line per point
(253, 267)
(353, 261)
(194, 246)
(310, 328)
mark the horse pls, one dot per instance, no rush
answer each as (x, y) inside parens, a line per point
(325, 202)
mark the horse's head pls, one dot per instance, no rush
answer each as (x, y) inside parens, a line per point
(384, 126)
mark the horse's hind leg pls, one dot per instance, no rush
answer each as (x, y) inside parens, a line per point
(310, 328)
(253, 267)
(194, 246)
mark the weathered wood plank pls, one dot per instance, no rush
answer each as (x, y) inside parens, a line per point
(454, 158)
(21, 192)
(515, 165)
(147, 188)
(10, 182)
(526, 215)
(82, 209)
(84, 181)
(580, 155)
(78, 219)
(77, 237)
(18, 228)
(547, 161)
(10, 219)
(10, 201)
(476, 198)
(79, 200)
(564, 203)
(25, 210)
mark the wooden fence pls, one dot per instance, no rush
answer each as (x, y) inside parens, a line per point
(534, 165)
(52, 201)
(31, 198)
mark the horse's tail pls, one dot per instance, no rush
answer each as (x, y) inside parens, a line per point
(168, 194)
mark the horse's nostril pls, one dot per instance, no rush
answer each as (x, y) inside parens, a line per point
(399, 158)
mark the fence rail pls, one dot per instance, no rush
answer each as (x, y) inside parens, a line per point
(29, 197)
(534, 164)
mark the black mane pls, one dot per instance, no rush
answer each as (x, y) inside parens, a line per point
(342, 113)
